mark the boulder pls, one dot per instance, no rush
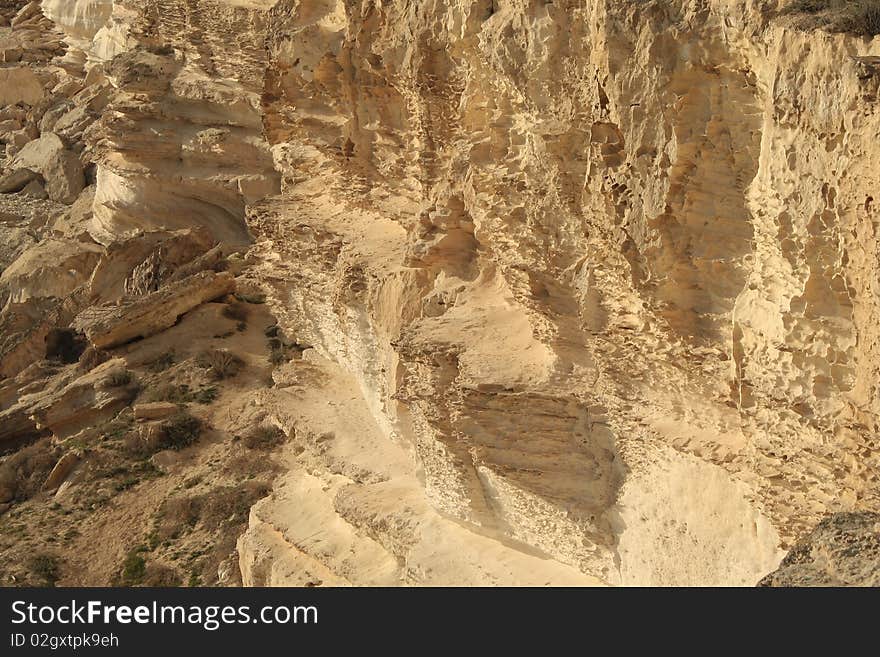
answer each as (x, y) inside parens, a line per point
(53, 114)
(154, 410)
(20, 85)
(111, 326)
(15, 141)
(16, 180)
(72, 124)
(60, 167)
(35, 189)
(61, 471)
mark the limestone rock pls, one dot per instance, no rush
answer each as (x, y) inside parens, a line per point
(53, 268)
(60, 167)
(110, 326)
(154, 410)
(590, 288)
(61, 471)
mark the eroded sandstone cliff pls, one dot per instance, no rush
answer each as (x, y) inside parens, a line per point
(580, 291)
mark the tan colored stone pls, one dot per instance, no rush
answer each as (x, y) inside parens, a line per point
(154, 410)
(60, 167)
(111, 326)
(61, 471)
(19, 85)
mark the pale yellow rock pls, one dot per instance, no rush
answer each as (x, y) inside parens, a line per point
(61, 471)
(154, 410)
(584, 292)
(110, 326)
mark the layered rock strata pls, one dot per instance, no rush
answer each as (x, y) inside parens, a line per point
(581, 291)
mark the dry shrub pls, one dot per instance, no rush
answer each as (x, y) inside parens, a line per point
(180, 430)
(177, 432)
(45, 567)
(230, 504)
(250, 464)
(177, 516)
(221, 364)
(170, 392)
(162, 362)
(119, 378)
(226, 505)
(264, 437)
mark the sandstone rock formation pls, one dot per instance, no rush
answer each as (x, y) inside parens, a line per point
(567, 292)
(111, 326)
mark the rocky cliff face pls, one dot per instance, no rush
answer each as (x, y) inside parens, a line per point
(580, 291)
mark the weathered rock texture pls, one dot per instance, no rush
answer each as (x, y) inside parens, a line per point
(581, 291)
(606, 266)
(114, 325)
(843, 550)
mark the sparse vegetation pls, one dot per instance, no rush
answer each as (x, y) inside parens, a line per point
(45, 567)
(162, 362)
(134, 567)
(159, 575)
(224, 505)
(859, 17)
(221, 364)
(264, 437)
(181, 394)
(22, 474)
(180, 431)
(119, 378)
(177, 432)
(205, 395)
(118, 427)
(177, 516)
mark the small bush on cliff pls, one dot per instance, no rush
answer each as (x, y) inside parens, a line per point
(264, 437)
(133, 568)
(119, 378)
(859, 17)
(181, 430)
(45, 567)
(162, 362)
(221, 364)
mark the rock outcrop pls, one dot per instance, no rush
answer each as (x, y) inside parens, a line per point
(580, 291)
(112, 326)
(843, 550)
